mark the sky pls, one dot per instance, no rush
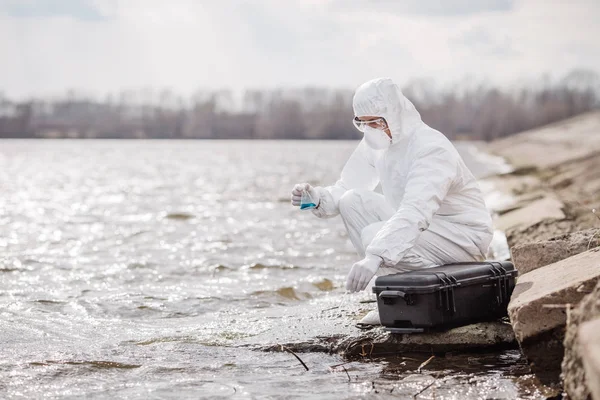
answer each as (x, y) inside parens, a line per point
(104, 46)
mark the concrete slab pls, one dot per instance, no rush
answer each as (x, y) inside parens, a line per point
(553, 144)
(535, 212)
(538, 308)
(530, 256)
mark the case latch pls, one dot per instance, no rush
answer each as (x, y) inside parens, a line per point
(446, 293)
(501, 280)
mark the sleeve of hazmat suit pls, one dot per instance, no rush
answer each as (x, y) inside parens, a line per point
(358, 173)
(429, 179)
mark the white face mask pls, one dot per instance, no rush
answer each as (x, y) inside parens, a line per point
(376, 138)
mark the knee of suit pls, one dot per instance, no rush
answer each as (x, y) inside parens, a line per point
(350, 200)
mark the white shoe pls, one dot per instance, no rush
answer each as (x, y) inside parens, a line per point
(370, 320)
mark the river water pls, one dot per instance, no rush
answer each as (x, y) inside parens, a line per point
(157, 269)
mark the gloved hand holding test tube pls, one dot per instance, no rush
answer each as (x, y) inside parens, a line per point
(305, 196)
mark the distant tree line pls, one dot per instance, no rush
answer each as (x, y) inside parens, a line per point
(464, 111)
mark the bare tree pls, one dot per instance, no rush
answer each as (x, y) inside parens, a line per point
(467, 110)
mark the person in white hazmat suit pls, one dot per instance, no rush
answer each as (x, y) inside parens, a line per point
(431, 210)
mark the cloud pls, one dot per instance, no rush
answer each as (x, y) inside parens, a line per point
(429, 8)
(187, 44)
(482, 42)
(86, 10)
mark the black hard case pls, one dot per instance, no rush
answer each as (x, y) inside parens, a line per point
(444, 296)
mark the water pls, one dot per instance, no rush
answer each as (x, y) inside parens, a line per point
(154, 269)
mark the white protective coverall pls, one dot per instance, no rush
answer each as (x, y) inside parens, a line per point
(431, 210)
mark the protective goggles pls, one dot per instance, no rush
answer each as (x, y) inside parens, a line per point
(378, 123)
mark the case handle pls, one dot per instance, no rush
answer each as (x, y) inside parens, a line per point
(392, 294)
(389, 295)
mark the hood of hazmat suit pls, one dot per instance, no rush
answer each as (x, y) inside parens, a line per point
(422, 177)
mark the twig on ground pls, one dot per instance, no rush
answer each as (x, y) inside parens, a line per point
(329, 309)
(428, 386)
(590, 242)
(409, 358)
(595, 233)
(295, 355)
(345, 370)
(592, 238)
(567, 305)
(364, 353)
(424, 364)
(339, 365)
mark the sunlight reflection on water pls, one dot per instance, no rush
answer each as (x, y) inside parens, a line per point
(135, 268)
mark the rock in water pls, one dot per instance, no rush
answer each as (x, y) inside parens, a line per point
(538, 309)
(573, 374)
(379, 343)
(482, 335)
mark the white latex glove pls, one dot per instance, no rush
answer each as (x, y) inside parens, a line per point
(297, 194)
(362, 272)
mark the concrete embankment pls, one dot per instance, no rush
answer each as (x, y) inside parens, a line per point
(554, 238)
